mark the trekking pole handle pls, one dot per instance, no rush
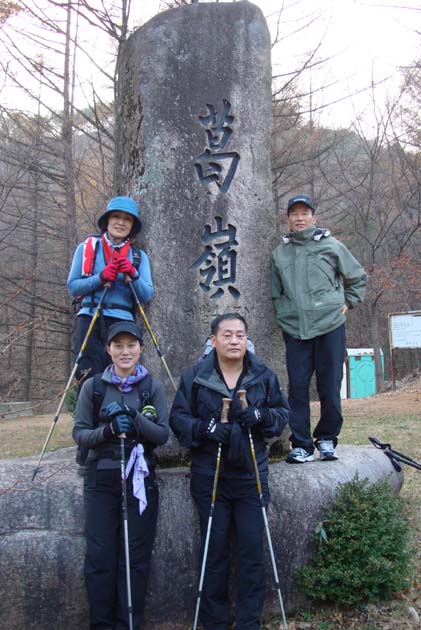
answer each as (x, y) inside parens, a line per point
(225, 408)
(376, 442)
(243, 400)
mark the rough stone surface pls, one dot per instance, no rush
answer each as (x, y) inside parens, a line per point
(181, 65)
(42, 543)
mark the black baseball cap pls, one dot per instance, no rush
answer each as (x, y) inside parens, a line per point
(308, 201)
(130, 328)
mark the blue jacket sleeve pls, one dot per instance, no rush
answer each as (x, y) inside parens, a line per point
(142, 284)
(76, 284)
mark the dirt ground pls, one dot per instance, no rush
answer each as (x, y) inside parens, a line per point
(397, 403)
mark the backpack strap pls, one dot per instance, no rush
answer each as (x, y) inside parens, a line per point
(90, 249)
(89, 252)
(98, 395)
(137, 256)
(144, 390)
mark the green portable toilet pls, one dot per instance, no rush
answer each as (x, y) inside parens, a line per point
(362, 372)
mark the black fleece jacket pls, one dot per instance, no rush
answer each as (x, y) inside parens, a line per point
(88, 431)
(199, 397)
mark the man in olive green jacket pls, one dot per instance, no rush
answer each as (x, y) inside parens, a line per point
(315, 281)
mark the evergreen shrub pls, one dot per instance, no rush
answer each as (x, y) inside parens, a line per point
(363, 547)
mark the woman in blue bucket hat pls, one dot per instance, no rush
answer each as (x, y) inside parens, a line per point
(108, 260)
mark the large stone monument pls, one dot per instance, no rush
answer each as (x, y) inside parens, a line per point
(193, 147)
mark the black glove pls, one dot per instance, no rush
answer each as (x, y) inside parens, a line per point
(129, 411)
(117, 409)
(113, 409)
(251, 416)
(220, 432)
(212, 430)
(124, 423)
(201, 428)
(120, 424)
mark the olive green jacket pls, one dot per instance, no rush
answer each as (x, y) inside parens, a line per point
(313, 276)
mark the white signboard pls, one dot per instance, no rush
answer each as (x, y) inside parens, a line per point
(405, 329)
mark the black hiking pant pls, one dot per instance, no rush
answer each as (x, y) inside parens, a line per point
(237, 508)
(95, 358)
(105, 564)
(325, 356)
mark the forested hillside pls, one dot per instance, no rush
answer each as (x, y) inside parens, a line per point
(56, 172)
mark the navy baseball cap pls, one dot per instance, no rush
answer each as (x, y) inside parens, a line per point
(131, 328)
(308, 201)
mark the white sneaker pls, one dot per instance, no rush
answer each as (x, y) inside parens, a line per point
(299, 456)
(327, 450)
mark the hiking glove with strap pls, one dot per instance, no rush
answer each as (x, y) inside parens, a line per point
(120, 424)
(251, 416)
(125, 266)
(212, 430)
(109, 273)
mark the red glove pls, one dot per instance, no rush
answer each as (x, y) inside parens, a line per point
(109, 273)
(125, 266)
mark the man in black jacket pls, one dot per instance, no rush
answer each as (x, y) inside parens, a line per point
(195, 419)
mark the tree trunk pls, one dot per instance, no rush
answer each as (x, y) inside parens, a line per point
(375, 336)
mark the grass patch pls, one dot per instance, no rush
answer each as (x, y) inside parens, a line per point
(25, 436)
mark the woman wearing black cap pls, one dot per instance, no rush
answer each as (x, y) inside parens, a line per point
(108, 260)
(124, 399)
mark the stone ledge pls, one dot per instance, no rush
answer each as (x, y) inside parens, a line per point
(42, 543)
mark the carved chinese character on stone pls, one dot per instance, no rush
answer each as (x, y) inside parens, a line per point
(218, 262)
(215, 164)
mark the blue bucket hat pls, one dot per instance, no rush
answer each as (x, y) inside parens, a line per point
(123, 204)
(308, 201)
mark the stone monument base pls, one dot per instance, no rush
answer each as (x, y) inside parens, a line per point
(42, 543)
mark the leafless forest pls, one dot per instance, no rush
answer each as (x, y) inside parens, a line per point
(56, 171)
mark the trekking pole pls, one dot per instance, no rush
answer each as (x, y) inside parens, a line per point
(126, 527)
(224, 418)
(154, 340)
(243, 403)
(394, 456)
(71, 377)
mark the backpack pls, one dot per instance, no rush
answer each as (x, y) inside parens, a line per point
(90, 250)
(100, 386)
